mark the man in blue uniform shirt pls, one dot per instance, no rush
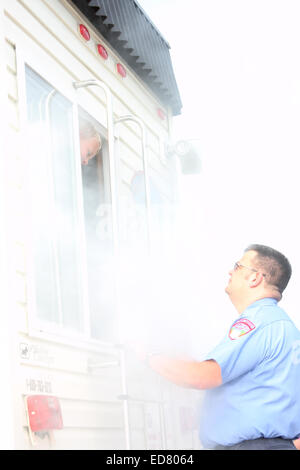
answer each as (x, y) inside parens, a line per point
(252, 377)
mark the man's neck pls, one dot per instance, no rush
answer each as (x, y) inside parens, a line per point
(243, 304)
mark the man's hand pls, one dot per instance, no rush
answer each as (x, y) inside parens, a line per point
(296, 443)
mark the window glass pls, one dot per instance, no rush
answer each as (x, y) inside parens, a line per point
(54, 205)
(98, 230)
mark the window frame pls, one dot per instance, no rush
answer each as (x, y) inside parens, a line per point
(37, 328)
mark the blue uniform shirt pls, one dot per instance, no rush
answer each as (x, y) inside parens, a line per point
(260, 391)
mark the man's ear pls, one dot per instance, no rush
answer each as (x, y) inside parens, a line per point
(256, 279)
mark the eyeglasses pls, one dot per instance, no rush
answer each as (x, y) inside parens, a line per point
(238, 265)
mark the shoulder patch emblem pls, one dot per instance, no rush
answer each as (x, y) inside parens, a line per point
(240, 328)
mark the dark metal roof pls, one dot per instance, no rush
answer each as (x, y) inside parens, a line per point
(128, 29)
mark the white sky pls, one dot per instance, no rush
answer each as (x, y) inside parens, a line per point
(238, 70)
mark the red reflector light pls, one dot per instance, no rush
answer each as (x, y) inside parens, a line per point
(121, 70)
(84, 32)
(102, 51)
(161, 114)
(44, 412)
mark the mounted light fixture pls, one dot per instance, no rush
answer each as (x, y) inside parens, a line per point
(84, 32)
(102, 51)
(121, 70)
(187, 154)
(161, 114)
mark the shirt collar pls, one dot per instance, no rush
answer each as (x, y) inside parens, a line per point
(262, 302)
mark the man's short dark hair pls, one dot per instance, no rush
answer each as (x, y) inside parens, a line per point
(273, 264)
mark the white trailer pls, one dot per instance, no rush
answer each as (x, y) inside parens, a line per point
(67, 382)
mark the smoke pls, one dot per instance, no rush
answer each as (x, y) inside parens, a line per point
(167, 296)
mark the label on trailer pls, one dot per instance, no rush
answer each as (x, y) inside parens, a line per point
(35, 353)
(38, 385)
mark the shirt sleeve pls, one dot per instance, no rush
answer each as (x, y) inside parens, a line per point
(239, 356)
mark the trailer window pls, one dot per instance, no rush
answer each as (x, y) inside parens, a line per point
(54, 206)
(98, 230)
(72, 267)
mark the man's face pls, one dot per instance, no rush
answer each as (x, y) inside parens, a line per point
(88, 149)
(238, 284)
